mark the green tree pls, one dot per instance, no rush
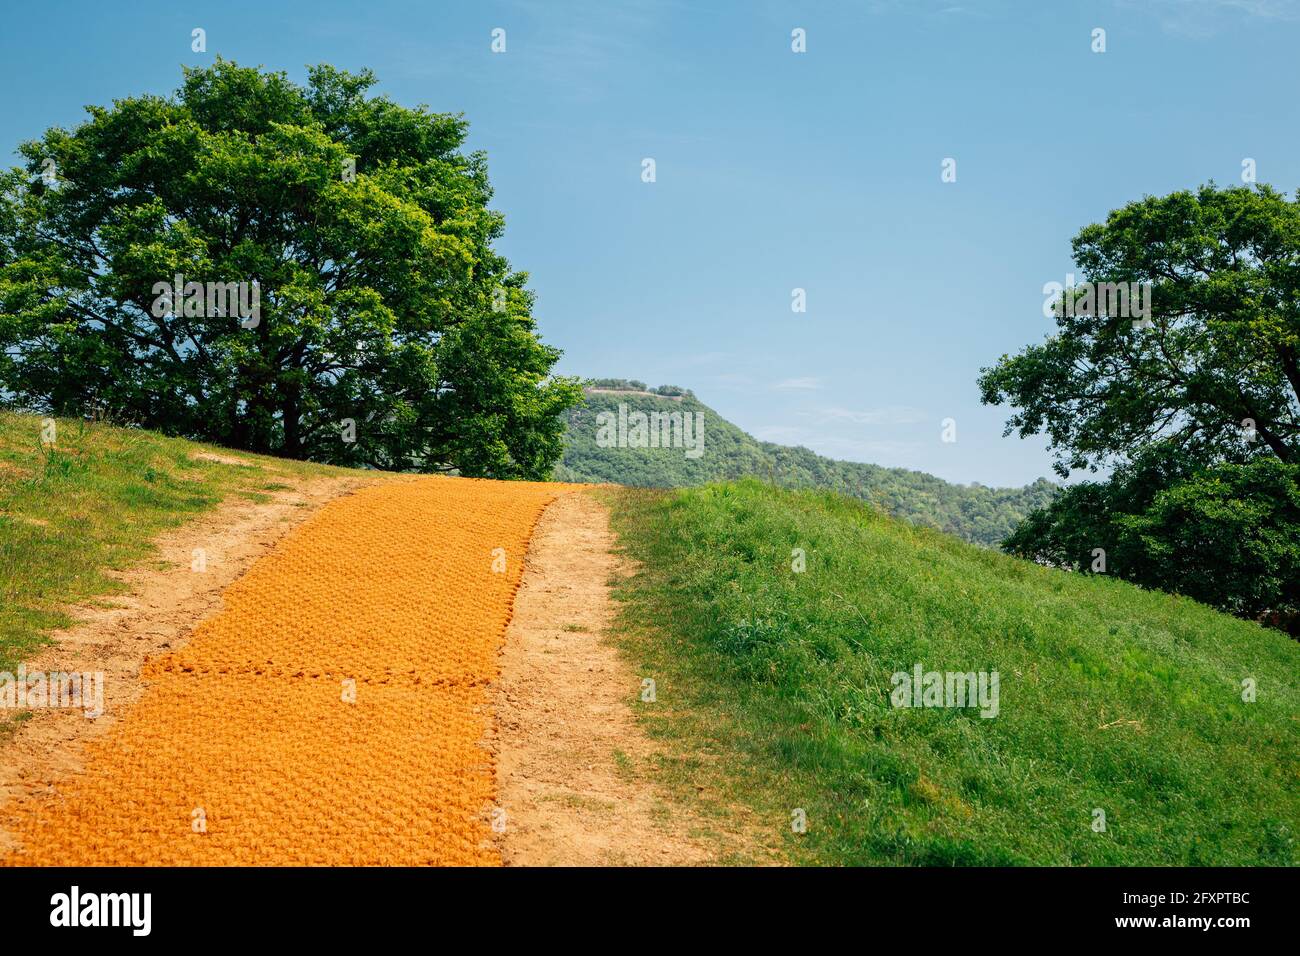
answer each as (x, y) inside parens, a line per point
(1196, 404)
(359, 228)
(1216, 372)
(1227, 535)
(1084, 517)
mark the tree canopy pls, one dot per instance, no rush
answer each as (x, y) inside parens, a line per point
(972, 512)
(1227, 534)
(1216, 370)
(388, 332)
(1197, 405)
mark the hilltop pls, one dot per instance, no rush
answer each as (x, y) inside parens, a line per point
(972, 512)
(1121, 726)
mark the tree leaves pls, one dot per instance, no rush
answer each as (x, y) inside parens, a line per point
(1224, 266)
(1200, 412)
(367, 233)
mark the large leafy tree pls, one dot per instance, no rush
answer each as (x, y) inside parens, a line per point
(390, 333)
(1217, 369)
(1227, 534)
(1197, 406)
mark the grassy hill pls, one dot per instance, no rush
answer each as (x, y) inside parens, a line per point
(91, 501)
(774, 685)
(973, 513)
(774, 693)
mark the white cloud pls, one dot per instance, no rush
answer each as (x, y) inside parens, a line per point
(835, 446)
(888, 415)
(1203, 18)
(1270, 9)
(799, 383)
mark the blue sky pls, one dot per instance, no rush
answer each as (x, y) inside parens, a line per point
(775, 171)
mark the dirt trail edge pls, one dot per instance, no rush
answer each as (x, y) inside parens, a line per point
(565, 732)
(332, 712)
(166, 598)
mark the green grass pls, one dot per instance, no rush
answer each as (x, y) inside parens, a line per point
(971, 512)
(93, 501)
(773, 693)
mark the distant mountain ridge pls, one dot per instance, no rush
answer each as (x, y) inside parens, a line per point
(614, 448)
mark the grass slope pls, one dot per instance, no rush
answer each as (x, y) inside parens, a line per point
(972, 512)
(774, 692)
(92, 502)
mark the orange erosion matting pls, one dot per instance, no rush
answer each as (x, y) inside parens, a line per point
(249, 747)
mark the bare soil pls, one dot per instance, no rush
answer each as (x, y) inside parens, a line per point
(566, 739)
(165, 600)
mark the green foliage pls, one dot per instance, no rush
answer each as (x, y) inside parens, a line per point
(382, 301)
(1223, 347)
(618, 384)
(673, 391)
(974, 513)
(1228, 535)
(91, 503)
(1201, 411)
(1111, 696)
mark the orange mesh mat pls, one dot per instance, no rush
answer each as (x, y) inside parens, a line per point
(243, 749)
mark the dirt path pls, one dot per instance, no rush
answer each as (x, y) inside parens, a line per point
(338, 694)
(566, 734)
(166, 599)
(332, 712)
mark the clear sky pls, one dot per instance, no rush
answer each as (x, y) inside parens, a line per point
(775, 170)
